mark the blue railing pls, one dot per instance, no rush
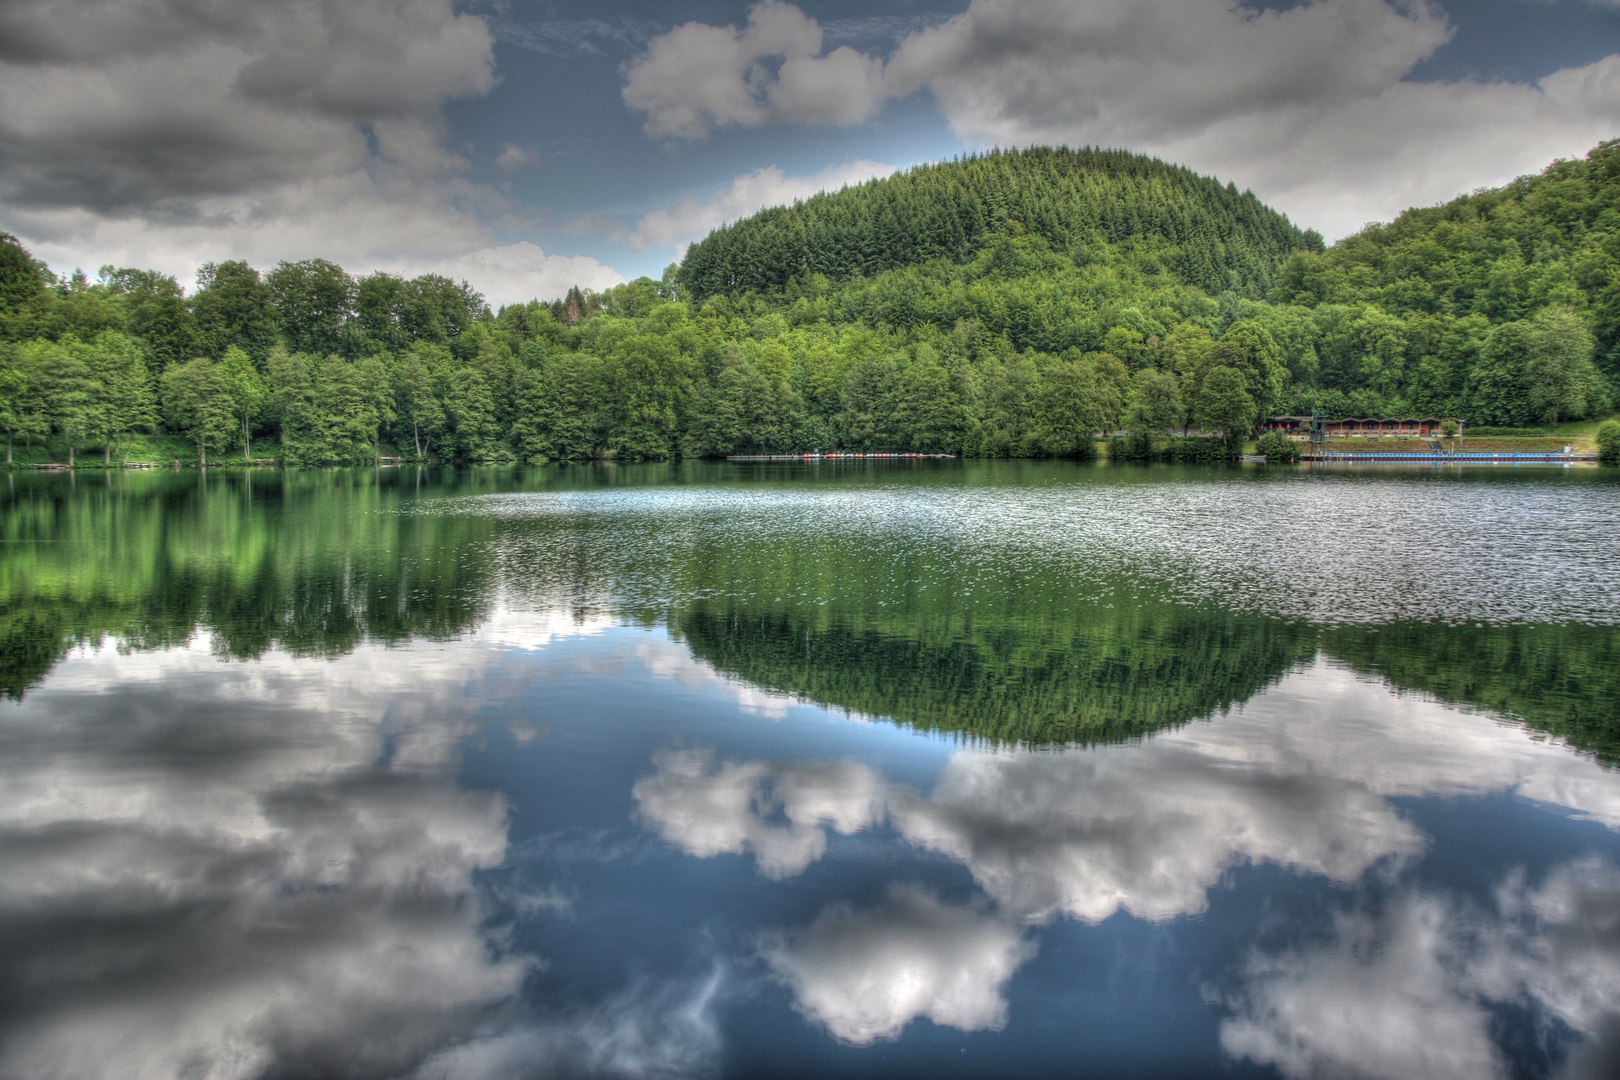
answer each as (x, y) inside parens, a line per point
(1481, 455)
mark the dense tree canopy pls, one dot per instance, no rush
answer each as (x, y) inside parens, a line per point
(1071, 198)
(1013, 304)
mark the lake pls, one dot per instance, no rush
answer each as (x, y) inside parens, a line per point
(911, 769)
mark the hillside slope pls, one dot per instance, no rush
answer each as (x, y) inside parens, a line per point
(1071, 294)
(1228, 240)
(1546, 241)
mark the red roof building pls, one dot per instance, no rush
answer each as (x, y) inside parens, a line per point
(1396, 427)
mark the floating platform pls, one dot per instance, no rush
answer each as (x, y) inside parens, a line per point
(1484, 456)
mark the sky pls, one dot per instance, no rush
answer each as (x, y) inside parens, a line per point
(530, 145)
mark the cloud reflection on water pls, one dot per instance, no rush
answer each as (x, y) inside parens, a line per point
(866, 974)
(269, 868)
(209, 874)
(776, 813)
(239, 870)
(229, 870)
(1301, 777)
(1405, 990)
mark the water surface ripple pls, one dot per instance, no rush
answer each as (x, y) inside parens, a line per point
(1317, 547)
(702, 772)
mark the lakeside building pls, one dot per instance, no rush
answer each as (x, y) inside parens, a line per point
(1408, 426)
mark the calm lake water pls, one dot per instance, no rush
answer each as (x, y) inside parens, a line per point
(914, 770)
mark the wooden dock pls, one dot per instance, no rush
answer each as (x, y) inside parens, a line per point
(837, 457)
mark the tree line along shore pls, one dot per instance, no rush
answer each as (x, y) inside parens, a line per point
(1010, 304)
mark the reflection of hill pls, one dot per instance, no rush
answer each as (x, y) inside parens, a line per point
(1564, 679)
(917, 630)
(1092, 673)
(1099, 675)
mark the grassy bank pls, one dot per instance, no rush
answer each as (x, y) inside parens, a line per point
(150, 450)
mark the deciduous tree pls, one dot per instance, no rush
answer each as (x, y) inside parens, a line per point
(197, 403)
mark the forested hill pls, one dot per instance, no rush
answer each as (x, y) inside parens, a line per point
(1068, 296)
(1549, 241)
(1228, 240)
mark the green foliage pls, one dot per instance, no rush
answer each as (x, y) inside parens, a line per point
(1249, 348)
(742, 412)
(1137, 446)
(1544, 249)
(197, 402)
(1072, 199)
(347, 402)
(1179, 450)
(1015, 304)
(1223, 403)
(78, 391)
(1277, 447)
(22, 279)
(1156, 405)
(1536, 371)
(248, 392)
(232, 308)
(155, 313)
(1608, 440)
(562, 412)
(418, 375)
(124, 390)
(312, 300)
(470, 403)
(1076, 402)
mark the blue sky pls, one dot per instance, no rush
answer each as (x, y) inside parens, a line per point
(530, 144)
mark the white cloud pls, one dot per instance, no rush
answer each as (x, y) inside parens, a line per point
(698, 77)
(269, 867)
(166, 134)
(518, 273)
(1307, 106)
(1561, 949)
(866, 974)
(691, 220)
(1087, 835)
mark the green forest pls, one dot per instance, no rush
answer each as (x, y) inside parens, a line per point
(1010, 304)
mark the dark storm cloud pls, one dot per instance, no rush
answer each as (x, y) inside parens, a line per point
(130, 106)
(68, 32)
